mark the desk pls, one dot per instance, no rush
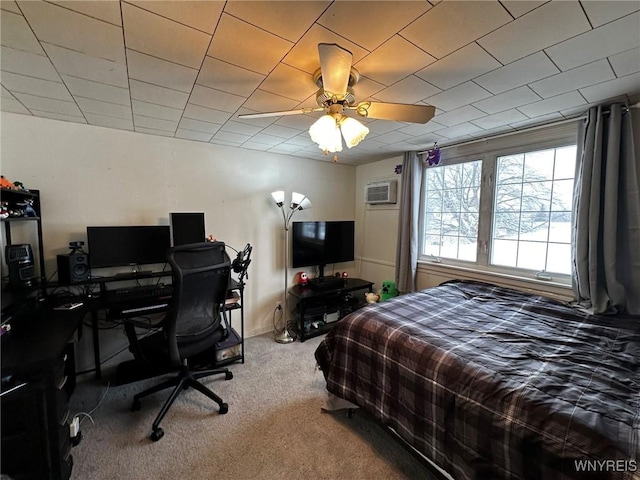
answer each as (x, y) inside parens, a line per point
(38, 373)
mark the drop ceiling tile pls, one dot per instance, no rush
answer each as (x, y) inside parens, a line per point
(35, 86)
(304, 55)
(276, 16)
(109, 122)
(454, 117)
(299, 122)
(208, 97)
(280, 131)
(230, 137)
(408, 90)
(156, 111)
(284, 148)
(301, 141)
(517, 8)
(267, 139)
(147, 92)
(97, 91)
(374, 24)
(257, 122)
(240, 128)
(499, 119)
(160, 72)
(493, 131)
(601, 42)
(393, 137)
(579, 77)
(504, 101)
(427, 140)
(420, 129)
(107, 11)
(289, 82)
(12, 105)
(537, 121)
(458, 96)
(366, 88)
(4, 93)
(10, 6)
(24, 63)
(603, 12)
(260, 52)
(518, 73)
(541, 28)
(153, 131)
(141, 121)
(262, 147)
(198, 126)
(262, 101)
(65, 28)
(460, 130)
(452, 25)
(459, 66)
(159, 37)
(228, 78)
(48, 105)
(204, 114)
(626, 63)
(98, 107)
(17, 34)
(393, 61)
(59, 116)
(85, 66)
(550, 105)
(613, 88)
(197, 14)
(380, 127)
(191, 135)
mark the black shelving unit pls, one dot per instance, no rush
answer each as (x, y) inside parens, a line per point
(318, 308)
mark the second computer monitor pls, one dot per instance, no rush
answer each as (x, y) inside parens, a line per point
(187, 228)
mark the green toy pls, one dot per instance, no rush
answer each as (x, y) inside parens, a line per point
(388, 291)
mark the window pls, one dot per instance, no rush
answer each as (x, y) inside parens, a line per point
(518, 221)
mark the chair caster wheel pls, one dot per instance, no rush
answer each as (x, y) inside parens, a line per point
(135, 405)
(157, 434)
(224, 408)
(228, 376)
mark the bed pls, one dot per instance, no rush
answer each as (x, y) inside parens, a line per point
(491, 383)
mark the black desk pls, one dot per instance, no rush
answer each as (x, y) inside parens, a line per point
(38, 372)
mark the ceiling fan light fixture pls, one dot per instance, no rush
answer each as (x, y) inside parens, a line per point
(326, 134)
(353, 131)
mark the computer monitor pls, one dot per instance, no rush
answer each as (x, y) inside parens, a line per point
(117, 246)
(186, 228)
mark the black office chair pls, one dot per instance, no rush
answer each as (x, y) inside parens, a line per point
(196, 321)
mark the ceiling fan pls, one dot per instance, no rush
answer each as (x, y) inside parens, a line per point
(335, 79)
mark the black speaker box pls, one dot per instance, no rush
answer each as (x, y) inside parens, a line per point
(73, 268)
(19, 259)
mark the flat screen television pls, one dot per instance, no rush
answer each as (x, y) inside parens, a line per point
(322, 243)
(127, 245)
(186, 228)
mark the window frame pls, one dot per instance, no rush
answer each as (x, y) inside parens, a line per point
(488, 152)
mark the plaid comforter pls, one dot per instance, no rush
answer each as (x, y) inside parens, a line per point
(491, 383)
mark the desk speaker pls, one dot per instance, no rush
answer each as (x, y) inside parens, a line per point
(73, 268)
(19, 259)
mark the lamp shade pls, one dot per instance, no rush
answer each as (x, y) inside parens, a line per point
(352, 131)
(278, 197)
(326, 134)
(305, 204)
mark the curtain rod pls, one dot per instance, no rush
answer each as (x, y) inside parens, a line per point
(535, 127)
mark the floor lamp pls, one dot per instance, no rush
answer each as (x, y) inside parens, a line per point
(298, 202)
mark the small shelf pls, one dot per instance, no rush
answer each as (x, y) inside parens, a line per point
(20, 219)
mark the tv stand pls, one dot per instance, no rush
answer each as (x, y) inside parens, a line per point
(326, 283)
(317, 309)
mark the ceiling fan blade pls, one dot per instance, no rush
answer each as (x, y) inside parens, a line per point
(335, 65)
(395, 111)
(280, 114)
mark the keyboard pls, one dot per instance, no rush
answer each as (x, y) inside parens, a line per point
(144, 292)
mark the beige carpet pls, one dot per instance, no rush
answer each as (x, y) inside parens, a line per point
(274, 428)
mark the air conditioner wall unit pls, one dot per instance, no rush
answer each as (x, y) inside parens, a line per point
(381, 192)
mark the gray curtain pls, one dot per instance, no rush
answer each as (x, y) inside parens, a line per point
(408, 223)
(606, 223)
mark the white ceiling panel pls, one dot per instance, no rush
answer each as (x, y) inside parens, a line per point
(451, 25)
(543, 27)
(373, 25)
(459, 66)
(197, 14)
(190, 69)
(590, 74)
(259, 51)
(601, 42)
(159, 37)
(98, 91)
(65, 28)
(518, 73)
(88, 67)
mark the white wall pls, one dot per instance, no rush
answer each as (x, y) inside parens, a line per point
(90, 175)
